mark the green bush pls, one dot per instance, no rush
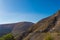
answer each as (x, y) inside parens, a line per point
(7, 37)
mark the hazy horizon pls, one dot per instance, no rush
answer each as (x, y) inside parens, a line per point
(12, 11)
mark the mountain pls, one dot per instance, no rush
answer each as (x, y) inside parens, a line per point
(21, 29)
(50, 23)
(8, 28)
(43, 28)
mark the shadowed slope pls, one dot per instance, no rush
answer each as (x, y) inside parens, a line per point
(8, 28)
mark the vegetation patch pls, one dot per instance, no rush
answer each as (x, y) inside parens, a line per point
(48, 37)
(7, 37)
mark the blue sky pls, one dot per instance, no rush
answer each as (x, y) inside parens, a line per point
(12, 11)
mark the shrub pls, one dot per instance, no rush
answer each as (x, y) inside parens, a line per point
(7, 37)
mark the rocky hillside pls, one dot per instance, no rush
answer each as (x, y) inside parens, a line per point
(49, 25)
(45, 29)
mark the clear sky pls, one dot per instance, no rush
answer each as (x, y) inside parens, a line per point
(12, 11)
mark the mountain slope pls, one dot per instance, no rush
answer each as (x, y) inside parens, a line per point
(21, 29)
(8, 28)
(50, 25)
(47, 23)
(45, 29)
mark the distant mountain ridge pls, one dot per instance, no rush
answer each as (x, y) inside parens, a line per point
(8, 28)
